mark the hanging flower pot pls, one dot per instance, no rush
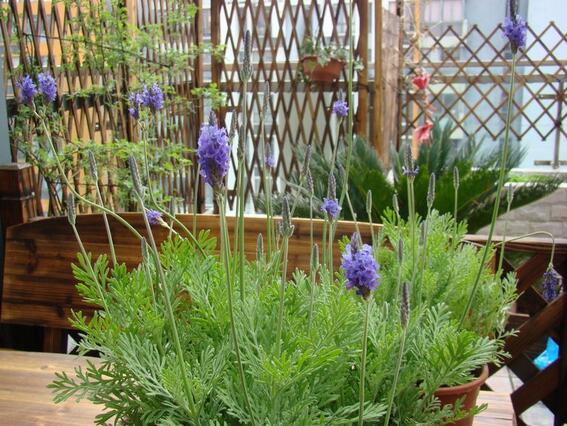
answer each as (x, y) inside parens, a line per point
(467, 392)
(322, 73)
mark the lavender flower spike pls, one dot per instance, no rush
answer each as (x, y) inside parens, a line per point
(154, 217)
(516, 30)
(27, 88)
(214, 154)
(135, 100)
(331, 207)
(361, 269)
(340, 107)
(270, 161)
(330, 203)
(47, 87)
(409, 169)
(552, 282)
(152, 97)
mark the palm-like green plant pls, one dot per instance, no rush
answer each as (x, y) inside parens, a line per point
(477, 166)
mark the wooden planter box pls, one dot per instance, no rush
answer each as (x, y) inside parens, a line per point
(39, 287)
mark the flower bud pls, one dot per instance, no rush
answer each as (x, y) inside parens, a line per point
(260, 248)
(136, 181)
(314, 258)
(309, 182)
(233, 127)
(408, 157)
(332, 187)
(355, 242)
(71, 211)
(307, 159)
(286, 228)
(400, 251)
(212, 118)
(267, 96)
(395, 204)
(246, 71)
(456, 177)
(404, 305)
(431, 191)
(92, 165)
(369, 202)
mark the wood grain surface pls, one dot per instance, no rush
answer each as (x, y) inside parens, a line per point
(39, 288)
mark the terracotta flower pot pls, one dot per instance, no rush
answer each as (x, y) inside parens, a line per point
(449, 395)
(322, 73)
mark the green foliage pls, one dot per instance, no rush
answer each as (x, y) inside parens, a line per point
(314, 379)
(478, 175)
(446, 273)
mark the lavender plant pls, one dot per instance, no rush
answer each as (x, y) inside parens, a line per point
(177, 347)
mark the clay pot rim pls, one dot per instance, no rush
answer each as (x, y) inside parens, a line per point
(451, 390)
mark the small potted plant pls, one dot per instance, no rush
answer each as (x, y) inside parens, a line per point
(322, 64)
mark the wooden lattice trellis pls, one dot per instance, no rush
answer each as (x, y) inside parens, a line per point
(300, 112)
(38, 34)
(471, 73)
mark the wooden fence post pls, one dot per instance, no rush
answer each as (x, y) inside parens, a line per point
(17, 194)
(377, 131)
(362, 110)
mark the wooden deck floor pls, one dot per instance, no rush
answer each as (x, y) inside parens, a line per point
(25, 399)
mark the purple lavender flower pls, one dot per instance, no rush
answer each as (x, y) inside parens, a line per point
(154, 217)
(135, 100)
(152, 97)
(516, 30)
(331, 207)
(361, 269)
(270, 161)
(410, 172)
(47, 87)
(214, 154)
(551, 283)
(340, 108)
(27, 89)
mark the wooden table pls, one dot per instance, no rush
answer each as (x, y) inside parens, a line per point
(25, 399)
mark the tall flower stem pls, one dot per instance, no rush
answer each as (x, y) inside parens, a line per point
(241, 187)
(363, 364)
(72, 188)
(171, 317)
(324, 245)
(412, 223)
(225, 247)
(311, 221)
(106, 225)
(503, 248)
(350, 103)
(455, 215)
(330, 248)
(285, 241)
(195, 195)
(396, 377)
(500, 185)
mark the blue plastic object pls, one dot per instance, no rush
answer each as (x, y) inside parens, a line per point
(547, 357)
